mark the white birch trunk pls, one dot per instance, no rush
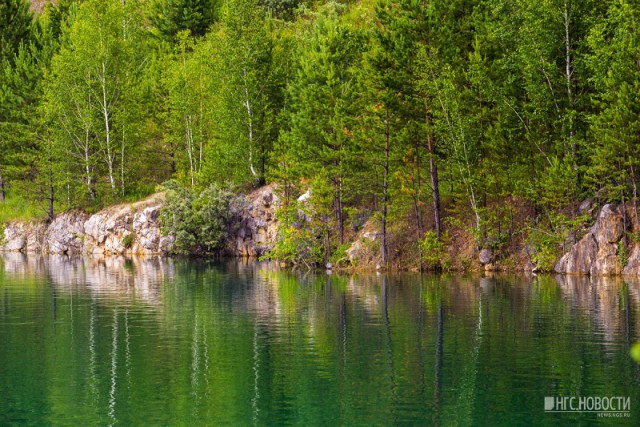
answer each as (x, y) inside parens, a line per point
(108, 148)
(247, 105)
(189, 138)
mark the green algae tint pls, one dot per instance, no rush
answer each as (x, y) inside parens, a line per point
(175, 342)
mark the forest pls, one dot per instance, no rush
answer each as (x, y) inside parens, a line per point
(429, 119)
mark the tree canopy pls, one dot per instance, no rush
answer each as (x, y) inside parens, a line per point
(403, 110)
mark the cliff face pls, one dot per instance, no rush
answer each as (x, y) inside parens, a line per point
(135, 229)
(132, 228)
(253, 228)
(598, 252)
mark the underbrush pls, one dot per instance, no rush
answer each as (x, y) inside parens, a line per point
(16, 208)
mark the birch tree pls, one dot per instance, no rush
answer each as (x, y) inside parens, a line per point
(249, 110)
(192, 99)
(92, 90)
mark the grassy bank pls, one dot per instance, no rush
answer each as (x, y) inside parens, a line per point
(17, 208)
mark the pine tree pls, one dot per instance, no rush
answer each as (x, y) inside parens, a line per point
(323, 104)
(170, 17)
(16, 26)
(18, 76)
(615, 123)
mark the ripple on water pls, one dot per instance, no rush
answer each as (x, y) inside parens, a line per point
(165, 342)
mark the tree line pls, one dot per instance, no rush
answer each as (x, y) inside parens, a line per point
(407, 111)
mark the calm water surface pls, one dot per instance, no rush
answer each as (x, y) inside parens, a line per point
(176, 342)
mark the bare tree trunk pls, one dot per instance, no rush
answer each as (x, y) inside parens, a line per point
(201, 132)
(51, 188)
(189, 137)
(416, 197)
(624, 221)
(384, 249)
(635, 195)
(433, 175)
(87, 166)
(340, 212)
(2, 189)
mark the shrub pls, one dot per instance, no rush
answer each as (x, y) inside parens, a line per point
(339, 255)
(211, 214)
(127, 241)
(198, 221)
(546, 242)
(297, 246)
(623, 253)
(434, 252)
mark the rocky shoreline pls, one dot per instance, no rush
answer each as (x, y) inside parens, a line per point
(252, 231)
(135, 229)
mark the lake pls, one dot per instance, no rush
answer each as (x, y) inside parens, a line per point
(153, 341)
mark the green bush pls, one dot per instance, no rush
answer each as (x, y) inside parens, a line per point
(546, 240)
(198, 221)
(296, 243)
(623, 253)
(127, 241)
(339, 255)
(434, 252)
(297, 246)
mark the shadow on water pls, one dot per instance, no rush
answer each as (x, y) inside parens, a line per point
(165, 341)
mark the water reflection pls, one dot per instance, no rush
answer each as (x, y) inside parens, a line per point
(166, 341)
(119, 277)
(608, 302)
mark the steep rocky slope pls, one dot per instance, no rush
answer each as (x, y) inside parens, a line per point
(135, 229)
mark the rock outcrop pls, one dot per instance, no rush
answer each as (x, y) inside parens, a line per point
(360, 252)
(596, 253)
(121, 229)
(135, 229)
(253, 228)
(633, 264)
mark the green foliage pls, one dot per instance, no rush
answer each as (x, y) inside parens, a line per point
(339, 255)
(297, 242)
(283, 9)
(545, 240)
(623, 253)
(434, 251)
(127, 241)
(297, 246)
(322, 110)
(17, 208)
(372, 105)
(170, 17)
(16, 29)
(614, 44)
(557, 184)
(197, 220)
(635, 352)
(93, 102)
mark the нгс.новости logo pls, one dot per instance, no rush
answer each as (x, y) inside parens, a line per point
(604, 406)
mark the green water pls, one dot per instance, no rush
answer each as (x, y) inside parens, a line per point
(174, 342)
